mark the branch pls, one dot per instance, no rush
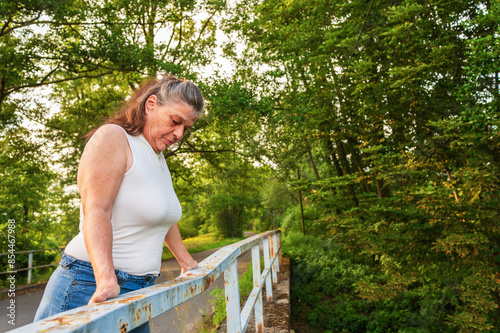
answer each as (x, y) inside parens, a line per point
(49, 74)
(5, 31)
(2, 31)
(357, 41)
(39, 84)
(212, 163)
(58, 23)
(203, 28)
(151, 24)
(143, 26)
(172, 153)
(180, 40)
(211, 151)
(167, 155)
(178, 174)
(2, 91)
(131, 85)
(169, 42)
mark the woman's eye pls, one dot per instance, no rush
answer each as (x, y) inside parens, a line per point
(175, 122)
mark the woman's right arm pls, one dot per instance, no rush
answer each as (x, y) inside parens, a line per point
(102, 167)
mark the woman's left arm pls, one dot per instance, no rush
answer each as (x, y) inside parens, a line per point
(174, 242)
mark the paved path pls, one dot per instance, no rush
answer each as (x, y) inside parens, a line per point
(181, 319)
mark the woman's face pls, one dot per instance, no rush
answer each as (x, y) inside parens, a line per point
(167, 124)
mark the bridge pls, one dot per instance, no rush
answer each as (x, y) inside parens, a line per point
(131, 310)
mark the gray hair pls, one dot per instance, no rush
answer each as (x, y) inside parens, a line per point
(167, 90)
(173, 90)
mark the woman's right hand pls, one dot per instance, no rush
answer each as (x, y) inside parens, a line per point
(105, 291)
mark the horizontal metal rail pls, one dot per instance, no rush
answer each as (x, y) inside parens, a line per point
(30, 267)
(31, 251)
(133, 309)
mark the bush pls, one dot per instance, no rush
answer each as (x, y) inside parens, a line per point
(323, 293)
(322, 280)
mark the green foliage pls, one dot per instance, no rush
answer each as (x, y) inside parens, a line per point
(200, 243)
(24, 192)
(219, 303)
(391, 117)
(245, 281)
(291, 222)
(321, 276)
(90, 57)
(324, 294)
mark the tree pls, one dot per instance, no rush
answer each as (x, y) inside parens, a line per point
(378, 89)
(90, 56)
(25, 186)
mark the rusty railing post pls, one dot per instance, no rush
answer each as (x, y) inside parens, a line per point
(277, 250)
(258, 310)
(232, 298)
(280, 252)
(267, 266)
(274, 247)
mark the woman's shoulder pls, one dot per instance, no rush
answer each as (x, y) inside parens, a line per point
(112, 129)
(109, 135)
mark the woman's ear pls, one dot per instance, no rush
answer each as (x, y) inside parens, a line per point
(151, 103)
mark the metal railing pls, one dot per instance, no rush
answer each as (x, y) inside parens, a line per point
(30, 267)
(133, 309)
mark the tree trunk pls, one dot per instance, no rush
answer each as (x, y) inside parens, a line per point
(335, 160)
(301, 207)
(359, 163)
(455, 193)
(313, 165)
(380, 188)
(347, 170)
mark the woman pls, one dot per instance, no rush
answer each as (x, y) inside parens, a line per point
(128, 205)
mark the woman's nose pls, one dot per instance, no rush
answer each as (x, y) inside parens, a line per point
(179, 132)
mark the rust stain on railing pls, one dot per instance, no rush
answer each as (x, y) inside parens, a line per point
(115, 315)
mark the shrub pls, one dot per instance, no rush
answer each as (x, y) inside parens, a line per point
(323, 293)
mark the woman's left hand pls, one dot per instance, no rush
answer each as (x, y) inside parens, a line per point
(174, 242)
(190, 266)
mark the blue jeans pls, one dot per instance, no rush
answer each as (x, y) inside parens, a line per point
(73, 283)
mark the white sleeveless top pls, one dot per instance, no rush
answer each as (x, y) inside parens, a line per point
(144, 210)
